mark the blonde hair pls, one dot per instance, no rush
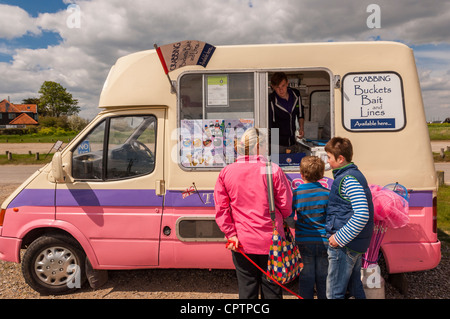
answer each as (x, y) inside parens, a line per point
(249, 140)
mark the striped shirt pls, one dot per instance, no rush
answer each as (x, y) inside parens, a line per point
(309, 202)
(353, 191)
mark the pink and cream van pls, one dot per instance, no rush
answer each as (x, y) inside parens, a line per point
(134, 189)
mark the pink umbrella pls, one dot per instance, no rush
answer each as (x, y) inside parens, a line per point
(371, 256)
(389, 206)
(390, 211)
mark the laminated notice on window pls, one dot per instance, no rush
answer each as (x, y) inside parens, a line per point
(373, 102)
(217, 90)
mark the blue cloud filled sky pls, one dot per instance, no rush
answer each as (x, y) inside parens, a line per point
(39, 40)
(34, 7)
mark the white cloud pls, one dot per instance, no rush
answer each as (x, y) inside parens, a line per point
(4, 49)
(16, 22)
(110, 29)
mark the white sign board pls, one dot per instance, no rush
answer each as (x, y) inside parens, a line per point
(57, 145)
(373, 102)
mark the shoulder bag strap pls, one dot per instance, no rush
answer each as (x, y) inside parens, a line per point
(270, 190)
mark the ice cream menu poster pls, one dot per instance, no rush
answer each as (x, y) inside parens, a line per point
(210, 143)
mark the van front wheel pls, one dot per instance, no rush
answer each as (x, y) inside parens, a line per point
(54, 265)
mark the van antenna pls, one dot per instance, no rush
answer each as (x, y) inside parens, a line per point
(161, 58)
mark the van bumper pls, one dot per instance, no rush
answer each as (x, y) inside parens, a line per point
(10, 249)
(409, 257)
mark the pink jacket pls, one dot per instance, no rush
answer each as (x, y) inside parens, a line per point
(242, 206)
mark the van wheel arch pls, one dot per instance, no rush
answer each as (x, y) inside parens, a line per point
(48, 231)
(73, 234)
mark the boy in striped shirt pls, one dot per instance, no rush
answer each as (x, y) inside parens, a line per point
(309, 203)
(349, 221)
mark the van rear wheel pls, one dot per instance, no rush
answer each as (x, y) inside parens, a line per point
(54, 265)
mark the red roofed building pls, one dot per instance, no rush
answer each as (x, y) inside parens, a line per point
(23, 119)
(19, 115)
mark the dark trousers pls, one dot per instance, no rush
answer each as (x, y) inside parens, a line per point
(315, 270)
(251, 280)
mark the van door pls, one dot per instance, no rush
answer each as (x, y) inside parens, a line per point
(110, 195)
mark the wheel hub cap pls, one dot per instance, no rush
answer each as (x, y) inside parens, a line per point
(56, 266)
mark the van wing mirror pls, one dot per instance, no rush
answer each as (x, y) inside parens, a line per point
(57, 168)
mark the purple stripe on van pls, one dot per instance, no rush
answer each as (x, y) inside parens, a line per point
(107, 197)
(421, 199)
(87, 197)
(200, 199)
(34, 197)
(133, 197)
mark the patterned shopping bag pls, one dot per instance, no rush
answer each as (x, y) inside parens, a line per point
(285, 262)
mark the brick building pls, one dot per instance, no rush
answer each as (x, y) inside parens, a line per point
(17, 115)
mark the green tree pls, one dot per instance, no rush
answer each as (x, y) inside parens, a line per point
(56, 101)
(31, 100)
(77, 123)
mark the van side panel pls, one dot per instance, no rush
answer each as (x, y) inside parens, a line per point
(409, 257)
(122, 225)
(175, 253)
(179, 252)
(29, 209)
(414, 247)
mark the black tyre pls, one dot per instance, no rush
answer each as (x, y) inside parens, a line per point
(54, 265)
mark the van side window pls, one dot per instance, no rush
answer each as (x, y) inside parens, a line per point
(215, 96)
(214, 110)
(87, 158)
(131, 146)
(130, 151)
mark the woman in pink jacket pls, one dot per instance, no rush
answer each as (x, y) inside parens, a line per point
(242, 213)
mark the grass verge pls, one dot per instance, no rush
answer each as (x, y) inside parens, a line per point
(439, 132)
(438, 159)
(35, 139)
(443, 215)
(25, 159)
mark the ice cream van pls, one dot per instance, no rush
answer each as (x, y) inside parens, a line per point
(134, 189)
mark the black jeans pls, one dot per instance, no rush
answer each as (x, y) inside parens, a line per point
(251, 280)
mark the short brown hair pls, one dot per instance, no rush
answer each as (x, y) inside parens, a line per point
(312, 168)
(277, 78)
(340, 146)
